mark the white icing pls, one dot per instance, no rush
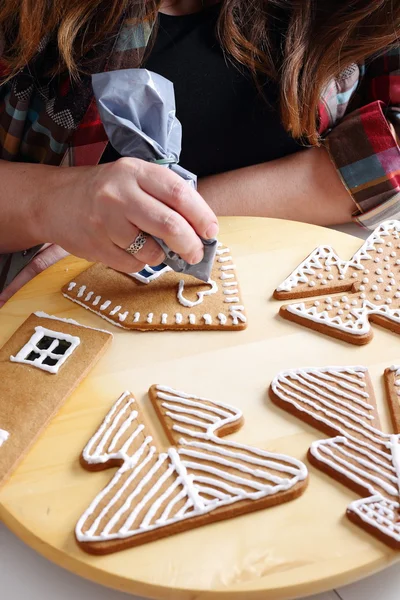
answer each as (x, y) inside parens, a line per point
(152, 276)
(164, 318)
(90, 294)
(71, 286)
(122, 316)
(81, 291)
(150, 317)
(43, 315)
(115, 310)
(360, 453)
(178, 318)
(95, 301)
(43, 354)
(4, 435)
(192, 319)
(136, 317)
(222, 318)
(203, 472)
(105, 305)
(311, 268)
(93, 311)
(200, 295)
(207, 319)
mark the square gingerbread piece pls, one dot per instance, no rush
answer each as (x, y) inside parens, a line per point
(40, 366)
(157, 298)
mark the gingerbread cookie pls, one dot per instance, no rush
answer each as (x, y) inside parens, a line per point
(340, 401)
(392, 385)
(157, 298)
(200, 479)
(40, 366)
(369, 287)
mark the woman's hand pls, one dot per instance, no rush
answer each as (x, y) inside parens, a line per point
(47, 256)
(97, 212)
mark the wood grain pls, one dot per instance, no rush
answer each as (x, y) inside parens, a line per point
(288, 551)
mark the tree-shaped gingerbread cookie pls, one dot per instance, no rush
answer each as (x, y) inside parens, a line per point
(368, 286)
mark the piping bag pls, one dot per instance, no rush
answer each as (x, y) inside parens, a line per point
(137, 109)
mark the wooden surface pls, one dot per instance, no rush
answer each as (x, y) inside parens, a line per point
(285, 552)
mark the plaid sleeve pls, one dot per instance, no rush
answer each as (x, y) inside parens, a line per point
(364, 145)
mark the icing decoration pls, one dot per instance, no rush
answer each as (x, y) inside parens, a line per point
(356, 314)
(149, 274)
(200, 295)
(117, 314)
(337, 400)
(198, 475)
(43, 315)
(4, 435)
(45, 350)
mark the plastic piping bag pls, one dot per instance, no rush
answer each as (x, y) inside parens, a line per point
(137, 109)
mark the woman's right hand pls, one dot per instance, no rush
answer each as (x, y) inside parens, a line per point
(97, 212)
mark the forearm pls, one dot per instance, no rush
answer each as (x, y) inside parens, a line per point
(302, 187)
(22, 188)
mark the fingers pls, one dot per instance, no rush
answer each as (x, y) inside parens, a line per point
(175, 192)
(47, 257)
(124, 235)
(119, 259)
(159, 220)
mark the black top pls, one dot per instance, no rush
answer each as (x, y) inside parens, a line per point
(226, 123)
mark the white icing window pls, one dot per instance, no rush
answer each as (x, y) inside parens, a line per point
(47, 349)
(150, 273)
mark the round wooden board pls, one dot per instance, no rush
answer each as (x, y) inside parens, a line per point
(299, 548)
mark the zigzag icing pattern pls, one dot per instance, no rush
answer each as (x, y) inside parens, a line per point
(202, 473)
(336, 399)
(372, 278)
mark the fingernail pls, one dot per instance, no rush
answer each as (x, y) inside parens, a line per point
(212, 231)
(196, 258)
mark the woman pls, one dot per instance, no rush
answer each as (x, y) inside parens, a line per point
(289, 108)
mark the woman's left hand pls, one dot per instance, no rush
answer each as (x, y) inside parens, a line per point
(48, 255)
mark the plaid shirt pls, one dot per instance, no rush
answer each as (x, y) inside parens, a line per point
(359, 121)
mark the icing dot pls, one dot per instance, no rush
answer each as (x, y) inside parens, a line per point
(397, 295)
(355, 274)
(388, 301)
(388, 288)
(328, 300)
(397, 382)
(377, 297)
(348, 317)
(311, 283)
(376, 259)
(340, 312)
(374, 288)
(379, 251)
(378, 271)
(354, 302)
(330, 276)
(341, 276)
(362, 296)
(389, 244)
(365, 280)
(336, 304)
(386, 259)
(316, 303)
(324, 282)
(327, 268)
(391, 275)
(347, 306)
(362, 288)
(392, 282)
(387, 267)
(398, 261)
(366, 271)
(345, 299)
(379, 280)
(393, 254)
(319, 276)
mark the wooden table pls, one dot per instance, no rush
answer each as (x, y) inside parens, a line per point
(290, 551)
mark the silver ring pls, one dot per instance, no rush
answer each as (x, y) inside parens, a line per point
(137, 243)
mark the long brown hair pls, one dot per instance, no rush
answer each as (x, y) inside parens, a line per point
(321, 38)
